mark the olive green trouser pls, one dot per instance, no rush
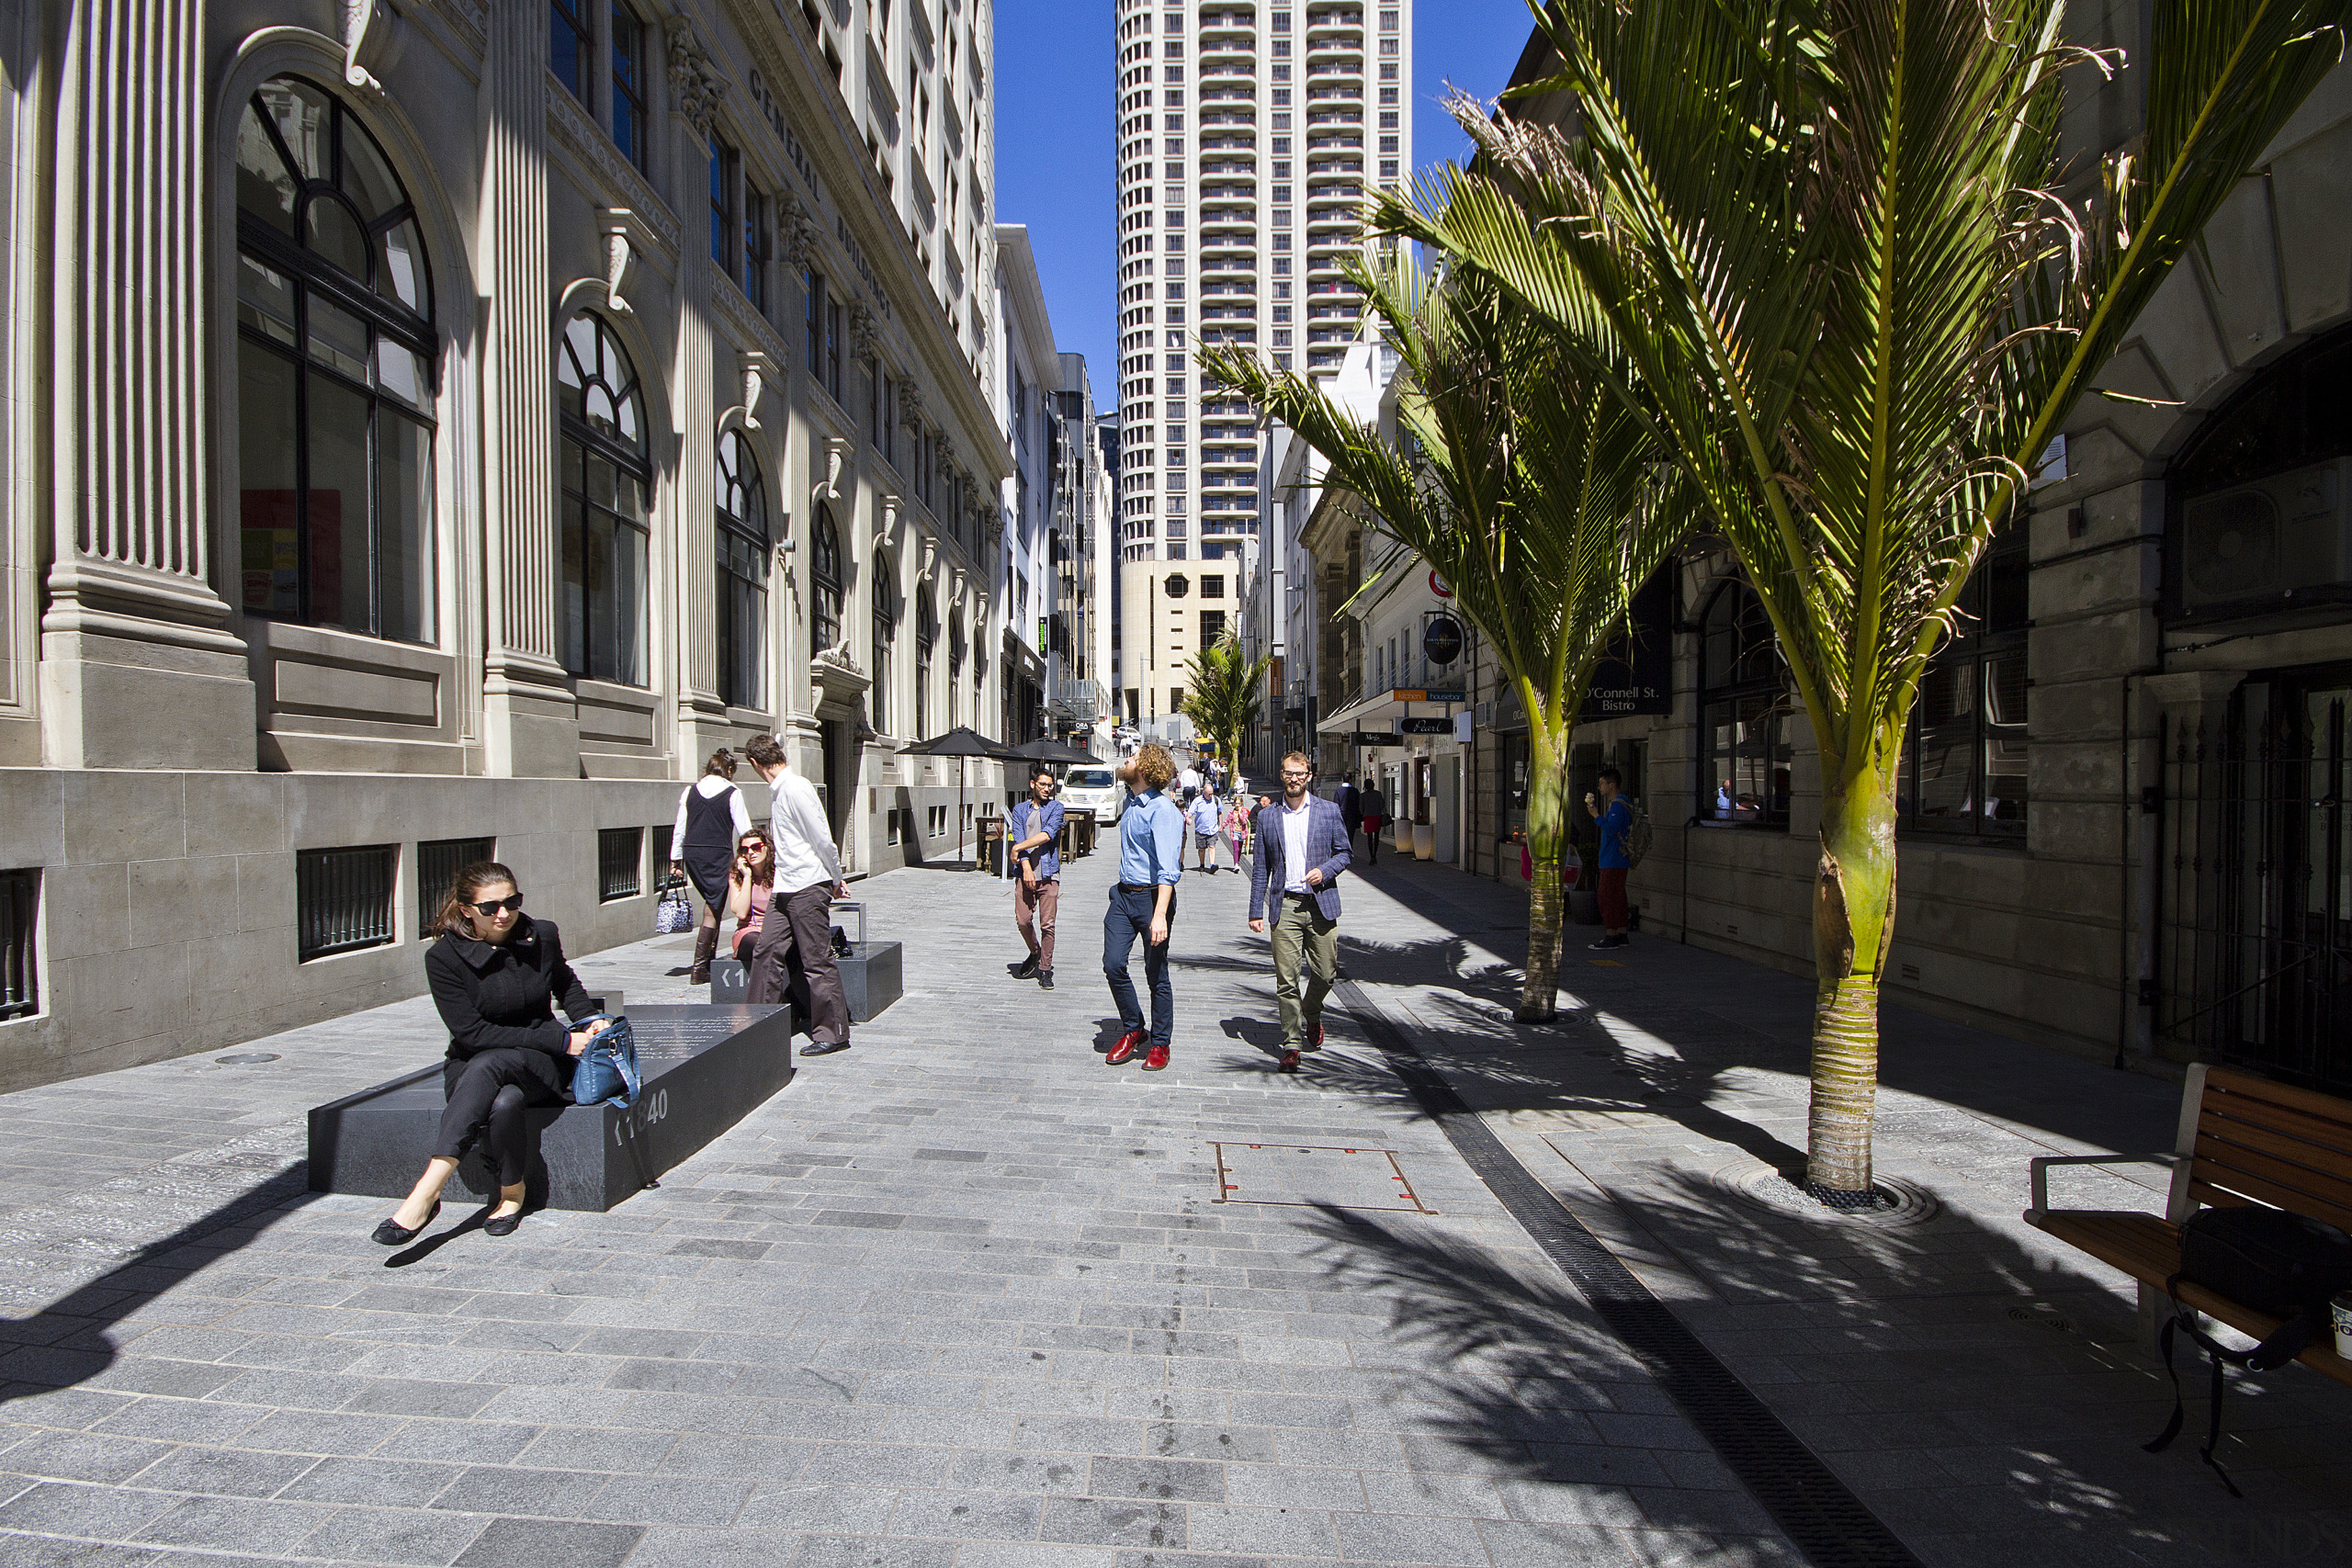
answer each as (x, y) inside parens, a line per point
(1301, 933)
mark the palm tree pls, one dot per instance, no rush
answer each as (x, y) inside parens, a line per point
(1529, 487)
(1221, 693)
(1831, 238)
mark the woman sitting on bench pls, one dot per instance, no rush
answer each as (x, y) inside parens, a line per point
(495, 974)
(750, 882)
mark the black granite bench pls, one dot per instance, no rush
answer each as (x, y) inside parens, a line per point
(873, 977)
(705, 1068)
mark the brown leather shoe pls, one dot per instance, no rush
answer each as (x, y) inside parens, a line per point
(1124, 1051)
(1155, 1059)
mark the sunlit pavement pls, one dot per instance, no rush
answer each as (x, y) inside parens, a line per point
(964, 1295)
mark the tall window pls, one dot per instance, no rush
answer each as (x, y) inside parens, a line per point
(1964, 763)
(743, 574)
(571, 47)
(954, 666)
(833, 348)
(630, 127)
(724, 166)
(336, 361)
(758, 246)
(605, 525)
(813, 292)
(926, 634)
(886, 631)
(825, 583)
(1743, 713)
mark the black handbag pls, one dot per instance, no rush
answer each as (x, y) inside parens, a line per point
(2281, 1265)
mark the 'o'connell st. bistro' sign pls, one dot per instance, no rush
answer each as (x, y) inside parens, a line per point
(1635, 674)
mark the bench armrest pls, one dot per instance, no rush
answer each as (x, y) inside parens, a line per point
(2038, 1169)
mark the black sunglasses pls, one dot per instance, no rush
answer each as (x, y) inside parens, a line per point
(512, 904)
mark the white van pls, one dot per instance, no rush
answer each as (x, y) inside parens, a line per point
(1095, 789)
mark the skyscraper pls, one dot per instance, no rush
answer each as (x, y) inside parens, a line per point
(1251, 131)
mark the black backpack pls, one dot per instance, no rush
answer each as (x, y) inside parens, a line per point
(2279, 1263)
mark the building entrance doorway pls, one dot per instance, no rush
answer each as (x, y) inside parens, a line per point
(2257, 920)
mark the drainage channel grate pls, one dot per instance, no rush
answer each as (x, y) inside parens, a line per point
(1826, 1522)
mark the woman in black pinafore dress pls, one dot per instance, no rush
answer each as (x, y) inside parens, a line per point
(711, 817)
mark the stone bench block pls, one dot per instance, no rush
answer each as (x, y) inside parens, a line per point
(704, 1069)
(872, 978)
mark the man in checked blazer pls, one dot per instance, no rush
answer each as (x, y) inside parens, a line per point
(1302, 848)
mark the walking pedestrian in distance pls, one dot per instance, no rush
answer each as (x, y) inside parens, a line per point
(793, 956)
(1234, 828)
(1302, 850)
(1375, 817)
(1202, 816)
(1188, 785)
(1035, 825)
(495, 975)
(1143, 904)
(750, 886)
(1350, 803)
(1615, 813)
(711, 817)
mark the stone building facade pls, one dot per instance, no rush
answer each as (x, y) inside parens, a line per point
(436, 428)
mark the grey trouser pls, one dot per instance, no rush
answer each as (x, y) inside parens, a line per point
(793, 961)
(1301, 933)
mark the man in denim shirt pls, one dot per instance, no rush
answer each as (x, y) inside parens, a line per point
(1037, 830)
(1143, 903)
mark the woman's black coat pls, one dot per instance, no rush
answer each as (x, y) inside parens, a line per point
(494, 994)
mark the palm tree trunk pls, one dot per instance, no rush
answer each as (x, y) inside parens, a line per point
(1547, 826)
(1853, 922)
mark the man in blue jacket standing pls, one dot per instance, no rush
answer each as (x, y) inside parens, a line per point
(1301, 848)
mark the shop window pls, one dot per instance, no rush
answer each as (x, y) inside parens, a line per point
(336, 367)
(606, 524)
(342, 899)
(620, 862)
(743, 574)
(824, 583)
(1964, 761)
(438, 860)
(19, 958)
(1743, 713)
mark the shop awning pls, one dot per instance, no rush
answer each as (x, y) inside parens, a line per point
(1378, 712)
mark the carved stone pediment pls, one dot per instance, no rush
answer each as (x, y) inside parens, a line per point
(839, 685)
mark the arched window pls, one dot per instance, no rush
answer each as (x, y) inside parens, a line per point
(926, 634)
(605, 482)
(336, 365)
(824, 583)
(1964, 762)
(743, 574)
(885, 630)
(954, 666)
(1743, 713)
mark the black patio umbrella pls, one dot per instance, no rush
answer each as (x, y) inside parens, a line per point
(963, 743)
(1052, 751)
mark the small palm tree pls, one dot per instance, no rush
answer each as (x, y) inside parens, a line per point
(1855, 305)
(1221, 693)
(1530, 489)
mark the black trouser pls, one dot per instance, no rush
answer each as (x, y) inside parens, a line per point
(488, 1093)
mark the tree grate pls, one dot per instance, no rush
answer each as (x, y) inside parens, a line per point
(1824, 1520)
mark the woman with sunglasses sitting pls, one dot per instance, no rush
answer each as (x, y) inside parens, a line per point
(750, 882)
(495, 975)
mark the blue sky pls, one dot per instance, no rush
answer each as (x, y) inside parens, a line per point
(1054, 166)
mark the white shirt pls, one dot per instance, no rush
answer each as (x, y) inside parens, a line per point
(1188, 779)
(707, 786)
(804, 855)
(1295, 846)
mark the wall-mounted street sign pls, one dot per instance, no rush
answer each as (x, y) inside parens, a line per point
(1431, 694)
(1431, 726)
(1442, 639)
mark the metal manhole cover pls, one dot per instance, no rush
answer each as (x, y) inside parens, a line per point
(1314, 1176)
(1899, 1202)
(247, 1058)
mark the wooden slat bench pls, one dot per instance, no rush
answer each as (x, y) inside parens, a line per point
(2243, 1140)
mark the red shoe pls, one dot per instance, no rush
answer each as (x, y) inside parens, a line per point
(1289, 1062)
(1315, 1037)
(1124, 1051)
(1155, 1059)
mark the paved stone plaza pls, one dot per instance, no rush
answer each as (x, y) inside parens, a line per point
(963, 1296)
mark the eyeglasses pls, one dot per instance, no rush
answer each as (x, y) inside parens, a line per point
(1299, 777)
(512, 904)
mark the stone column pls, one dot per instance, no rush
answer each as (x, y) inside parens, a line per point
(530, 723)
(694, 90)
(139, 667)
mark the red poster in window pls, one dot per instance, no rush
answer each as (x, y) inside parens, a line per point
(269, 552)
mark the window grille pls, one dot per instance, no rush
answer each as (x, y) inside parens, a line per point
(620, 856)
(438, 860)
(657, 852)
(342, 899)
(19, 970)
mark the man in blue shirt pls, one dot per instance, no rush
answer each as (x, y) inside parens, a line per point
(1035, 826)
(1615, 815)
(1143, 903)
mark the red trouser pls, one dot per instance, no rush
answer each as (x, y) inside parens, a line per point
(1034, 904)
(1613, 914)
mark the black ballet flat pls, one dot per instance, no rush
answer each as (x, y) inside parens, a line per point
(502, 1224)
(389, 1235)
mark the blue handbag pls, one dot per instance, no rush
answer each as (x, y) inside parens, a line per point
(607, 1067)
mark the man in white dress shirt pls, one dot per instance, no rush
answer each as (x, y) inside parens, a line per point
(793, 958)
(1302, 848)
